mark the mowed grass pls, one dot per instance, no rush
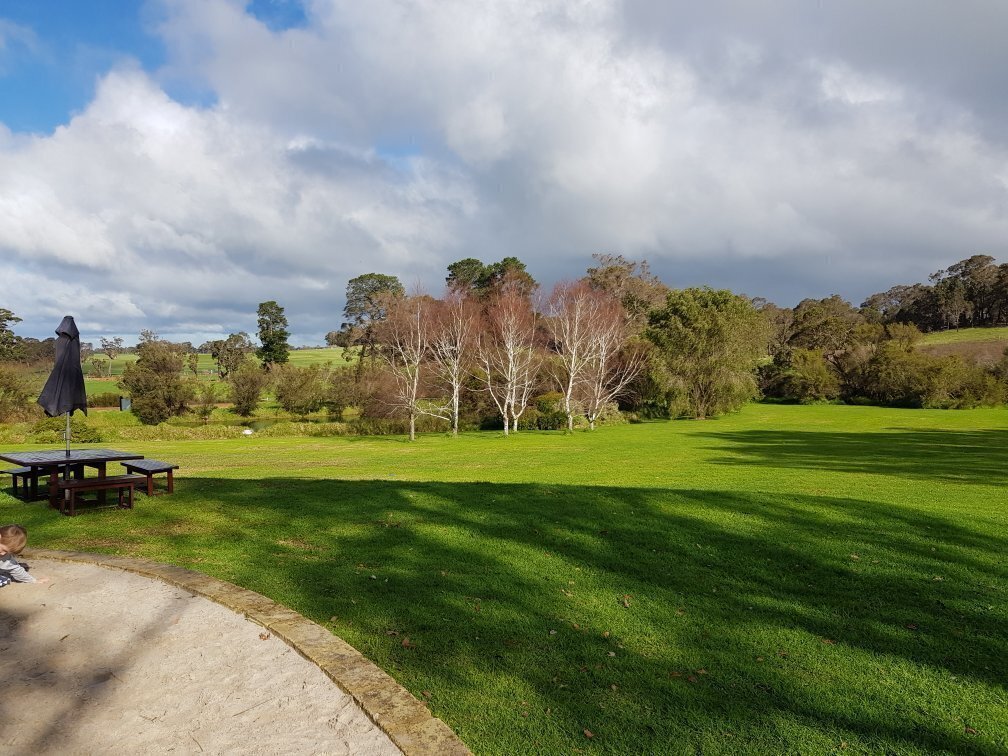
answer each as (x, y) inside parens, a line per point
(785, 580)
(965, 336)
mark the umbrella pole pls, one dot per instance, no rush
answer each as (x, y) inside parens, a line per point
(68, 434)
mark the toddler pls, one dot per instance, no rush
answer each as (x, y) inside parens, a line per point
(12, 540)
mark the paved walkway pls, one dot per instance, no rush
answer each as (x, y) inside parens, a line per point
(102, 660)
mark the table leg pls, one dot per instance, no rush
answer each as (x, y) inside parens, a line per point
(101, 474)
(54, 492)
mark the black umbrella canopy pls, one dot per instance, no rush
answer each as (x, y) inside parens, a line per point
(64, 391)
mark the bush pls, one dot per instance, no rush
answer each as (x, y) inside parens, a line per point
(51, 429)
(914, 379)
(206, 400)
(247, 383)
(155, 383)
(301, 390)
(810, 378)
(610, 415)
(551, 412)
(16, 396)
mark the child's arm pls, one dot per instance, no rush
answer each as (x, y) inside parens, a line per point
(16, 572)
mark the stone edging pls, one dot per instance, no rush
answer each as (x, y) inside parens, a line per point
(407, 721)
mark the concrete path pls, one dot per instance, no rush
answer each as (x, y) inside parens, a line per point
(102, 660)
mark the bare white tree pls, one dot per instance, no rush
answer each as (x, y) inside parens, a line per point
(613, 363)
(506, 355)
(405, 337)
(452, 347)
(573, 317)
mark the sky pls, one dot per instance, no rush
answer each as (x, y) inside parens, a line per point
(170, 164)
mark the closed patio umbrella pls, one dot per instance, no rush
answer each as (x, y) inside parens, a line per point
(64, 391)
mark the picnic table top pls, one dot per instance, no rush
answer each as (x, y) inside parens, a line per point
(52, 457)
(150, 465)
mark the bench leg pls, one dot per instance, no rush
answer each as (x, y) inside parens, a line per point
(150, 484)
(171, 482)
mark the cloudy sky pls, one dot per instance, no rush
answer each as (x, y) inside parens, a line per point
(172, 166)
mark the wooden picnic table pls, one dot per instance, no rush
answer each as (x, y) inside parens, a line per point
(52, 463)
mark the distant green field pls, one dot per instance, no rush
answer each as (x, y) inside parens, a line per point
(965, 335)
(317, 356)
(96, 376)
(790, 579)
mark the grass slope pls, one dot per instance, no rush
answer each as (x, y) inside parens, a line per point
(789, 579)
(965, 335)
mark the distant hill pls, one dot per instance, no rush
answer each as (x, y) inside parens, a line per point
(985, 345)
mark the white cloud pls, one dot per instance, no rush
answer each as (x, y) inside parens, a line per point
(185, 208)
(399, 135)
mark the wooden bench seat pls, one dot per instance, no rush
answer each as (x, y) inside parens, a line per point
(151, 467)
(120, 483)
(25, 475)
(29, 478)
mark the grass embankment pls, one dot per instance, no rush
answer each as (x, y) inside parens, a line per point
(984, 346)
(789, 579)
(965, 335)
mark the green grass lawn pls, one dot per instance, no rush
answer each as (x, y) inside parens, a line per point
(785, 580)
(965, 335)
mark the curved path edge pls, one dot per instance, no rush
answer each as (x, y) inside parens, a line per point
(407, 721)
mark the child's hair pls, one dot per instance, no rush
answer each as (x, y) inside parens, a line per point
(14, 537)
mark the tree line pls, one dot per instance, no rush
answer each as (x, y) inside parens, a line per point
(494, 350)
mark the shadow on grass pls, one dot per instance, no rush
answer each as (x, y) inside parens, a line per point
(659, 620)
(976, 456)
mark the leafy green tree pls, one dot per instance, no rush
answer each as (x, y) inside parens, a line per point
(206, 400)
(16, 395)
(811, 379)
(464, 275)
(825, 324)
(229, 353)
(112, 349)
(247, 382)
(155, 382)
(368, 298)
(302, 390)
(9, 342)
(273, 335)
(470, 276)
(708, 344)
(336, 338)
(632, 283)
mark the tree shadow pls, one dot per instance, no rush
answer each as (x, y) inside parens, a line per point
(975, 456)
(657, 619)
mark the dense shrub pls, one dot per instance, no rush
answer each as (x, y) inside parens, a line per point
(546, 413)
(301, 390)
(610, 415)
(206, 400)
(247, 382)
(50, 430)
(155, 382)
(809, 378)
(914, 379)
(394, 426)
(16, 396)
